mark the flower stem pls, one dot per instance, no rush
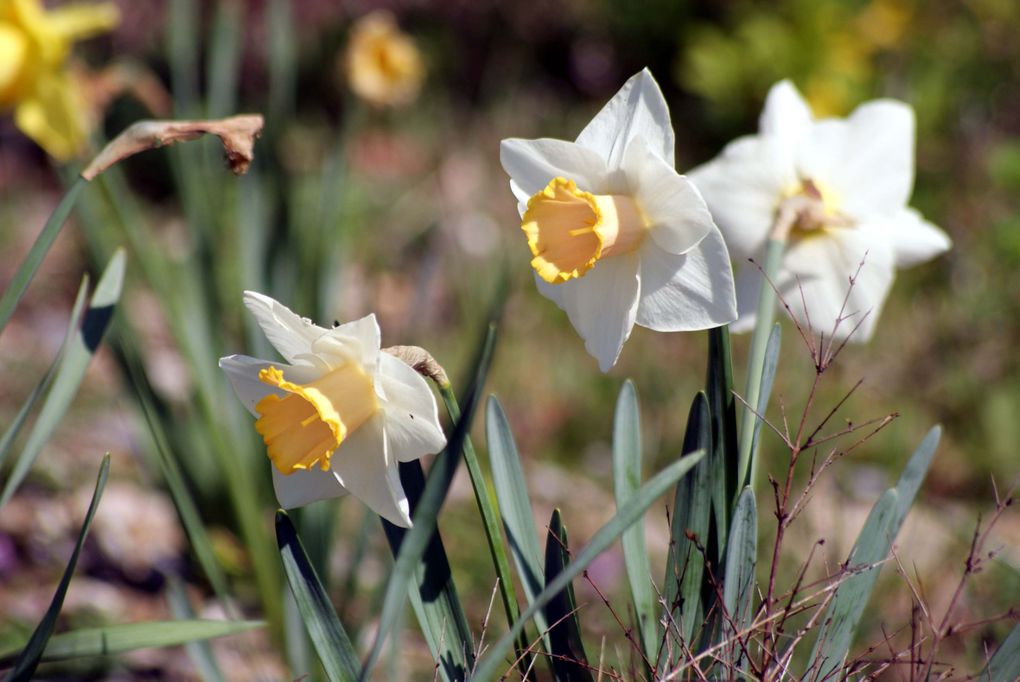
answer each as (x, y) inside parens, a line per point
(747, 462)
(490, 520)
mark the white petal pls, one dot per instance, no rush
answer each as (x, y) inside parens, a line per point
(304, 487)
(824, 264)
(410, 412)
(914, 239)
(531, 164)
(356, 341)
(363, 466)
(638, 109)
(689, 291)
(749, 281)
(678, 215)
(602, 306)
(554, 292)
(865, 161)
(742, 187)
(786, 116)
(289, 333)
(243, 373)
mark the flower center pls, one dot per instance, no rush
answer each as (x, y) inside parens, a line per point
(569, 230)
(808, 207)
(304, 427)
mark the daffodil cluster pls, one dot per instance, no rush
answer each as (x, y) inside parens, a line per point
(35, 79)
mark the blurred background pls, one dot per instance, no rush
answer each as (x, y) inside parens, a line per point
(377, 188)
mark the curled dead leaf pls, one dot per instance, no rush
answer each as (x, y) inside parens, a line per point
(237, 133)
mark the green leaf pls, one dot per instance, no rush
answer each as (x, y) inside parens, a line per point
(70, 372)
(19, 420)
(515, 506)
(489, 666)
(110, 640)
(723, 460)
(692, 509)
(26, 271)
(29, 658)
(200, 653)
(416, 541)
(324, 628)
(738, 588)
(1005, 662)
(626, 480)
(872, 547)
(771, 360)
(569, 662)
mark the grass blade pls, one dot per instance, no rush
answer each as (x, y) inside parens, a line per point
(110, 640)
(324, 628)
(626, 481)
(768, 376)
(29, 266)
(515, 506)
(19, 420)
(738, 589)
(489, 667)
(569, 661)
(872, 547)
(31, 655)
(70, 372)
(200, 653)
(723, 460)
(416, 540)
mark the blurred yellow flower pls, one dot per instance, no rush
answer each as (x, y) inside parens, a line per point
(382, 63)
(35, 80)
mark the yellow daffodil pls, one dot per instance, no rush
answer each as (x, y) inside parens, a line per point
(34, 77)
(382, 63)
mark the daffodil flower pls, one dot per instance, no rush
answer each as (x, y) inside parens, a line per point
(383, 65)
(848, 182)
(339, 415)
(617, 236)
(34, 78)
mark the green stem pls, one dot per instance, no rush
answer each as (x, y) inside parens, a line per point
(490, 519)
(747, 466)
(38, 251)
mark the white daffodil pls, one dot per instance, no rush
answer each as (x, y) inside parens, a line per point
(848, 181)
(617, 236)
(339, 415)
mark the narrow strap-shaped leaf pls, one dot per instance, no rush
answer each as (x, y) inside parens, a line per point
(199, 651)
(692, 509)
(30, 657)
(433, 594)
(489, 666)
(416, 541)
(490, 522)
(110, 640)
(738, 588)
(1005, 662)
(844, 613)
(71, 371)
(16, 289)
(768, 376)
(515, 506)
(324, 628)
(723, 460)
(626, 481)
(569, 662)
(872, 547)
(19, 420)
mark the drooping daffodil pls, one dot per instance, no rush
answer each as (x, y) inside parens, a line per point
(617, 236)
(35, 80)
(339, 414)
(848, 181)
